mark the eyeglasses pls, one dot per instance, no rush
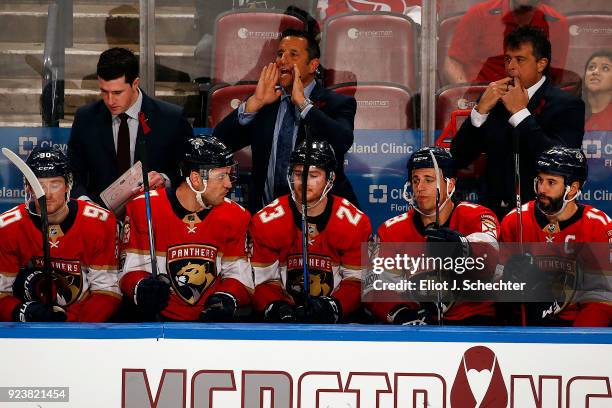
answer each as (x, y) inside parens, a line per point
(217, 175)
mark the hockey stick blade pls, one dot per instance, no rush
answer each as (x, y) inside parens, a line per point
(26, 171)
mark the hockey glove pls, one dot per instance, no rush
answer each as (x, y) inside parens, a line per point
(219, 307)
(151, 294)
(38, 312)
(280, 312)
(33, 285)
(322, 309)
(543, 313)
(523, 268)
(444, 242)
(410, 317)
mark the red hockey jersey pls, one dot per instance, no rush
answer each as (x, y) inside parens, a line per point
(201, 253)
(475, 222)
(84, 262)
(587, 225)
(334, 253)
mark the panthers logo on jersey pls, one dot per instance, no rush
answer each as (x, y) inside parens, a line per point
(67, 279)
(321, 281)
(192, 268)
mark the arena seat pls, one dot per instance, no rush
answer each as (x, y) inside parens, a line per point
(247, 40)
(222, 100)
(366, 47)
(446, 28)
(588, 33)
(451, 7)
(454, 97)
(573, 6)
(380, 106)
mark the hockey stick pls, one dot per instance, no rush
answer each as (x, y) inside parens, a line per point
(517, 188)
(145, 185)
(437, 225)
(39, 193)
(305, 171)
(519, 208)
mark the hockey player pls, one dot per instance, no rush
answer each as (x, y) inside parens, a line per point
(82, 284)
(336, 230)
(472, 228)
(556, 219)
(200, 241)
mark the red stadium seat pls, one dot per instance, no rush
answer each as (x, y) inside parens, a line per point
(445, 36)
(452, 7)
(222, 100)
(454, 97)
(245, 41)
(453, 105)
(588, 33)
(380, 106)
(366, 47)
(573, 6)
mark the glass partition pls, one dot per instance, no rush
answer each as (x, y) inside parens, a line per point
(208, 55)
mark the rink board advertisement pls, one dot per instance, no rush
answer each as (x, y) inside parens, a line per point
(225, 366)
(375, 165)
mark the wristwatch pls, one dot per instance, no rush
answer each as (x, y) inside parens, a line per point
(304, 104)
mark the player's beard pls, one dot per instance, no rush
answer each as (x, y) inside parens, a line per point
(552, 207)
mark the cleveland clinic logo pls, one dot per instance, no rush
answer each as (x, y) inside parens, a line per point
(479, 381)
(377, 193)
(592, 148)
(26, 144)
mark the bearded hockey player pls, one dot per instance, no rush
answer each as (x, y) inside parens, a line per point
(556, 219)
(336, 230)
(200, 241)
(82, 283)
(472, 228)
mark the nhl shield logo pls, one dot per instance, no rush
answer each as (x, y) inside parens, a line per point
(192, 268)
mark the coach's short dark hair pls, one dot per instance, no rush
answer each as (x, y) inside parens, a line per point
(532, 35)
(117, 62)
(313, 46)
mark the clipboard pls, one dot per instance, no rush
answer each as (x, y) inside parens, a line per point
(121, 190)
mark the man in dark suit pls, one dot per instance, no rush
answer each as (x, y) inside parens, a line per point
(524, 107)
(106, 135)
(272, 121)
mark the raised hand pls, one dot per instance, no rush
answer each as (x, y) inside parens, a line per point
(297, 92)
(516, 98)
(494, 92)
(266, 91)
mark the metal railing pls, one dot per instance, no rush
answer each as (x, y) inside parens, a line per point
(58, 37)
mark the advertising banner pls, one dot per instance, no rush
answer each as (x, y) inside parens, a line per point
(375, 165)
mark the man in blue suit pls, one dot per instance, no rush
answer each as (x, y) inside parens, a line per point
(272, 121)
(106, 135)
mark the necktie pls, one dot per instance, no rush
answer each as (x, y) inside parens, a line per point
(283, 149)
(123, 145)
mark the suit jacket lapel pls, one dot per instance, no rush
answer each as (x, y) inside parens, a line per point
(537, 101)
(316, 96)
(147, 109)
